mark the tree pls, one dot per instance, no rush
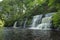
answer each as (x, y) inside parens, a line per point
(11, 10)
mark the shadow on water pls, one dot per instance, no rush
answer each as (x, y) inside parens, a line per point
(27, 34)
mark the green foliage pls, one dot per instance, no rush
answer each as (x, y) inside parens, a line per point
(56, 17)
(13, 10)
(56, 20)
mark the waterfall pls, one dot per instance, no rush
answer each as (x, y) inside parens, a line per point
(36, 20)
(15, 24)
(24, 26)
(45, 22)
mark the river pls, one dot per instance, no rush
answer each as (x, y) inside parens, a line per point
(29, 34)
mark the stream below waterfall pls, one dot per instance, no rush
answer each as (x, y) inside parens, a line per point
(28, 34)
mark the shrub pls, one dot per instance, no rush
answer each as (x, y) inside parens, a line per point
(56, 20)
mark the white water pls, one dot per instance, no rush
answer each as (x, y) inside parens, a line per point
(24, 26)
(45, 22)
(15, 24)
(36, 20)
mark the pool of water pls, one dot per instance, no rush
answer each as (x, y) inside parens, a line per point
(27, 34)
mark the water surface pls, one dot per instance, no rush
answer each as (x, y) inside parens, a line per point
(27, 34)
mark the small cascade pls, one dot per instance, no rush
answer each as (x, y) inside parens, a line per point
(45, 22)
(15, 25)
(24, 26)
(36, 20)
(46, 19)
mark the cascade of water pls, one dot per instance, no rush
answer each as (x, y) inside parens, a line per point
(36, 20)
(45, 22)
(25, 23)
(46, 19)
(15, 24)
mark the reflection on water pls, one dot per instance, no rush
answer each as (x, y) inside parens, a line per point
(27, 34)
